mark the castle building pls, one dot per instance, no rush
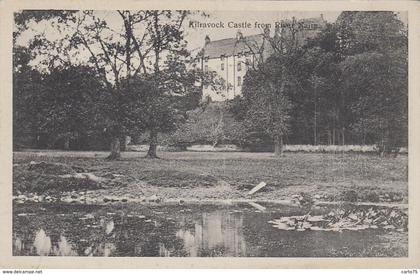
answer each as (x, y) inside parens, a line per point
(231, 58)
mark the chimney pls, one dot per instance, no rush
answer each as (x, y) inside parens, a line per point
(206, 40)
(267, 31)
(322, 17)
(239, 35)
(277, 32)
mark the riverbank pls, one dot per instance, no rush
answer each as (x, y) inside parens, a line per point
(186, 176)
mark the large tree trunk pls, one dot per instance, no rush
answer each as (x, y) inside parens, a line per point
(329, 137)
(123, 144)
(153, 144)
(67, 142)
(278, 146)
(115, 149)
(315, 133)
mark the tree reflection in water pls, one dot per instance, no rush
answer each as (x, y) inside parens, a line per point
(215, 234)
(182, 230)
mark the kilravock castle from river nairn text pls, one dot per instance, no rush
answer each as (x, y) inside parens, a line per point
(231, 58)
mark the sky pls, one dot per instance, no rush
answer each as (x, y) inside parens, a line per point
(195, 36)
(231, 20)
(256, 19)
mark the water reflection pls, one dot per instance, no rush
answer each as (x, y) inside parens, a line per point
(215, 232)
(42, 243)
(163, 252)
(17, 244)
(190, 241)
(109, 248)
(64, 248)
(109, 227)
(80, 230)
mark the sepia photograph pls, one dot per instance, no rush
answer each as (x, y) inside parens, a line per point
(210, 133)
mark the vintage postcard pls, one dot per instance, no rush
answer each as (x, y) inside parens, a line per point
(209, 134)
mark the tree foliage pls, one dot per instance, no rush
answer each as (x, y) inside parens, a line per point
(64, 108)
(97, 79)
(346, 85)
(140, 58)
(211, 123)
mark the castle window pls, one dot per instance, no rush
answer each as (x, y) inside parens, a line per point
(239, 66)
(222, 66)
(239, 81)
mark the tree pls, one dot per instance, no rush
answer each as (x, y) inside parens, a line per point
(266, 104)
(166, 38)
(367, 31)
(26, 102)
(64, 105)
(381, 83)
(375, 73)
(318, 100)
(266, 90)
(141, 49)
(349, 71)
(111, 53)
(74, 105)
(210, 123)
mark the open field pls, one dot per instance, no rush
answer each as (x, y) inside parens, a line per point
(230, 175)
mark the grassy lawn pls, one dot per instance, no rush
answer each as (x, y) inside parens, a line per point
(222, 175)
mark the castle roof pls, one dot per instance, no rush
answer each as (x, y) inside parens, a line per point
(233, 46)
(317, 20)
(256, 43)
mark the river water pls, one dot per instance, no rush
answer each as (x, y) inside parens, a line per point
(197, 230)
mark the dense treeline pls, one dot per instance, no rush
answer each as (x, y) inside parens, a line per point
(90, 78)
(101, 79)
(62, 109)
(347, 85)
(72, 108)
